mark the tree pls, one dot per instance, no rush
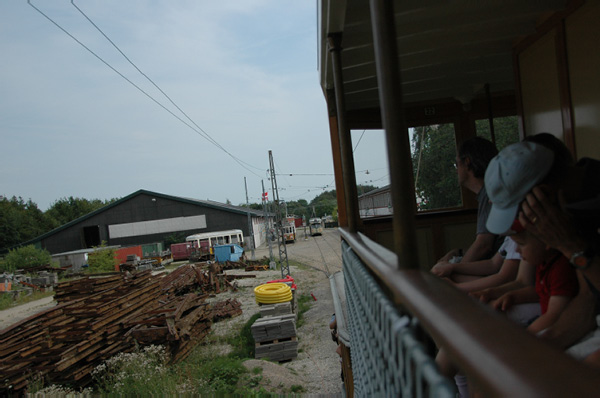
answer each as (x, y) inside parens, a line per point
(102, 259)
(433, 158)
(26, 257)
(65, 210)
(506, 130)
(20, 221)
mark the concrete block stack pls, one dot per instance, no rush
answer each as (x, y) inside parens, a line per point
(275, 337)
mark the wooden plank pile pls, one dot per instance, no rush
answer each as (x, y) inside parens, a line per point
(275, 335)
(65, 343)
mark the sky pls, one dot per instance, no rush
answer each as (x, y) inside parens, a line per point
(244, 72)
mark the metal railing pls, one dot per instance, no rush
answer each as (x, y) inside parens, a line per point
(499, 357)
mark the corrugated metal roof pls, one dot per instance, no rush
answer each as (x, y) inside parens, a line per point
(205, 203)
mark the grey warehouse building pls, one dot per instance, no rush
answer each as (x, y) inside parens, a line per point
(148, 217)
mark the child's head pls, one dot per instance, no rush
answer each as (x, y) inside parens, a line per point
(532, 250)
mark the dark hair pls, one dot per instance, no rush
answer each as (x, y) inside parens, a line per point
(563, 159)
(479, 151)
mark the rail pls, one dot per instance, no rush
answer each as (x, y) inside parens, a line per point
(501, 358)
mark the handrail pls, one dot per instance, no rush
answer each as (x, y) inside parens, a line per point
(502, 358)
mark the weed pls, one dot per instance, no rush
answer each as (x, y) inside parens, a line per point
(257, 370)
(243, 343)
(304, 303)
(7, 301)
(297, 389)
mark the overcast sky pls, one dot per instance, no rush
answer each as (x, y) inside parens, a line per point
(245, 72)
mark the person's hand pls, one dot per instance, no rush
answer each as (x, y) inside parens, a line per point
(504, 302)
(449, 255)
(548, 222)
(442, 269)
(483, 296)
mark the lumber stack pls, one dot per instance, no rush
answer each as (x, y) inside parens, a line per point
(275, 337)
(99, 317)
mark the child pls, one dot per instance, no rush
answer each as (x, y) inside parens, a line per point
(555, 282)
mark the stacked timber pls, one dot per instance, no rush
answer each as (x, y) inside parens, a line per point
(65, 343)
(226, 309)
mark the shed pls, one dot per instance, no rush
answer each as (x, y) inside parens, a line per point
(231, 252)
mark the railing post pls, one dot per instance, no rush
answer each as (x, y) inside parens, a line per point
(396, 132)
(349, 175)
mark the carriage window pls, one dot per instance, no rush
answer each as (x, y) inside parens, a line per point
(234, 239)
(433, 152)
(506, 130)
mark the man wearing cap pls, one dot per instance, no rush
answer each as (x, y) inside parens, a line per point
(540, 203)
(473, 157)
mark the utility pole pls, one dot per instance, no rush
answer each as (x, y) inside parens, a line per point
(265, 201)
(283, 259)
(250, 229)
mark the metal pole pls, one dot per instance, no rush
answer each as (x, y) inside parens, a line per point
(250, 229)
(272, 264)
(283, 258)
(349, 175)
(396, 132)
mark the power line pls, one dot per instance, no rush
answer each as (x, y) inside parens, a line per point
(135, 85)
(361, 136)
(207, 136)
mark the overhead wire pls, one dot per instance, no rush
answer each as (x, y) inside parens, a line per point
(136, 86)
(206, 135)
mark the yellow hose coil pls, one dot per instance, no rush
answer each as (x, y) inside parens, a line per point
(273, 293)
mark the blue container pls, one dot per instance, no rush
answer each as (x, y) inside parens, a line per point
(230, 252)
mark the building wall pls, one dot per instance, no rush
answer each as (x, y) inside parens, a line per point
(143, 207)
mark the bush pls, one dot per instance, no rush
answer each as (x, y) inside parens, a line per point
(26, 257)
(102, 259)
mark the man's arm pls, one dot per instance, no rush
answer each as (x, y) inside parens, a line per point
(480, 248)
(507, 273)
(480, 268)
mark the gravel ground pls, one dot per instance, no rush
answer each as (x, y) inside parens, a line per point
(317, 368)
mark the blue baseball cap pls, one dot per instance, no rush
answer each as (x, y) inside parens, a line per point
(509, 177)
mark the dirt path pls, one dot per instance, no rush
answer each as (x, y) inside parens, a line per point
(317, 366)
(16, 314)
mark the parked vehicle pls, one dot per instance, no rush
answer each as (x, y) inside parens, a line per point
(206, 241)
(289, 233)
(181, 251)
(316, 226)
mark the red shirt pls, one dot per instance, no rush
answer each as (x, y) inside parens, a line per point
(555, 278)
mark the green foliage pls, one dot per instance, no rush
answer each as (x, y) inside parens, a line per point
(243, 343)
(176, 237)
(304, 304)
(65, 210)
(506, 130)
(433, 158)
(7, 301)
(223, 374)
(26, 257)
(20, 221)
(102, 259)
(139, 374)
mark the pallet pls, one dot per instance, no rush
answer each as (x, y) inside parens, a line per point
(277, 350)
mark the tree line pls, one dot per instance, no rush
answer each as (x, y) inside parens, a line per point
(21, 221)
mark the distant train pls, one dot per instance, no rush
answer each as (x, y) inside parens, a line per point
(316, 226)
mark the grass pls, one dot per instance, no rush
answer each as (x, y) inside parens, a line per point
(304, 304)
(6, 300)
